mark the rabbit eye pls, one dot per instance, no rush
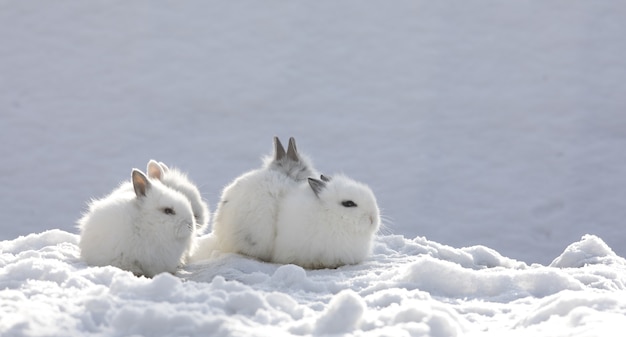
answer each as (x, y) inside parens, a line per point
(348, 203)
(169, 211)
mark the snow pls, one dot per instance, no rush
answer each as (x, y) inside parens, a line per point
(48, 290)
(491, 133)
(590, 250)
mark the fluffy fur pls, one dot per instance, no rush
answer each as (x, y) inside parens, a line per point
(245, 218)
(326, 223)
(147, 230)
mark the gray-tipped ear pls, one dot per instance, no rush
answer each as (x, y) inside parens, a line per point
(140, 183)
(279, 150)
(324, 178)
(317, 185)
(155, 170)
(292, 151)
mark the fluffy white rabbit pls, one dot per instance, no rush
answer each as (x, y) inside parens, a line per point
(326, 223)
(245, 218)
(174, 178)
(147, 230)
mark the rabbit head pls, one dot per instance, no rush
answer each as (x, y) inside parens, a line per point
(346, 203)
(179, 181)
(162, 210)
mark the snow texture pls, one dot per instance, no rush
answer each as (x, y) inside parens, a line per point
(406, 288)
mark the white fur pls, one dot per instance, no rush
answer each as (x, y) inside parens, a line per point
(317, 231)
(132, 231)
(207, 248)
(298, 171)
(174, 178)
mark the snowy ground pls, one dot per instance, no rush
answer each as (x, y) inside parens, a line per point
(494, 124)
(407, 288)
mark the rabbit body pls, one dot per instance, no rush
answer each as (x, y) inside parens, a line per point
(245, 219)
(146, 230)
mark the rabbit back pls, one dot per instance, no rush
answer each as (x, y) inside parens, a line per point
(106, 230)
(245, 219)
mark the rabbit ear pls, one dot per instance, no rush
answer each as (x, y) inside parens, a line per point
(317, 185)
(279, 150)
(324, 178)
(140, 183)
(163, 166)
(292, 151)
(155, 170)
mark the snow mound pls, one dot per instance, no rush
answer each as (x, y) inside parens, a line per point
(406, 288)
(38, 241)
(589, 250)
(344, 313)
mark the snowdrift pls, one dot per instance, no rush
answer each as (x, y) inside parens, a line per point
(406, 288)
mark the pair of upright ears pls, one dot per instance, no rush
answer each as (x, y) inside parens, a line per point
(141, 183)
(291, 153)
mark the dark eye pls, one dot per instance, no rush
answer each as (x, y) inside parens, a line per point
(348, 203)
(169, 211)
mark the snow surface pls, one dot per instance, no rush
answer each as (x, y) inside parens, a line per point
(477, 125)
(406, 288)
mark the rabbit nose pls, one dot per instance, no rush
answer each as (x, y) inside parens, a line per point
(188, 224)
(184, 230)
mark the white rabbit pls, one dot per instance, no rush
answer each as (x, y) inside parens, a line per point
(326, 223)
(245, 218)
(146, 230)
(174, 178)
